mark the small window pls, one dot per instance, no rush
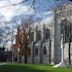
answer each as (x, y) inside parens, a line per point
(44, 51)
(38, 35)
(71, 12)
(36, 51)
(47, 34)
(32, 36)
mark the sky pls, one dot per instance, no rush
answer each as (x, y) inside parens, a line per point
(8, 12)
(43, 10)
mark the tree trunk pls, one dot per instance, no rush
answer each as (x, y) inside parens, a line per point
(25, 53)
(20, 56)
(33, 53)
(25, 58)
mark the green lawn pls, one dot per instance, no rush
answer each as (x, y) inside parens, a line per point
(32, 68)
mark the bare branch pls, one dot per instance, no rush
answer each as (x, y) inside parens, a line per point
(14, 4)
(33, 3)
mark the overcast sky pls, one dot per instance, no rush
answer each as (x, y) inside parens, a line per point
(42, 8)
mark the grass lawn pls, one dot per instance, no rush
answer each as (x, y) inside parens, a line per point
(32, 68)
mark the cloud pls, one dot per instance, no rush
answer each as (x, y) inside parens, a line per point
(11, 11)
(15, 1)
(23, 10)
(8, 12)
(4, 3)
(9, 2)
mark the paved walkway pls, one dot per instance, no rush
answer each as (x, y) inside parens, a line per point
(3, 63)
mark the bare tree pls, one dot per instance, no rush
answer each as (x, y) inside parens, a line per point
(22, 38)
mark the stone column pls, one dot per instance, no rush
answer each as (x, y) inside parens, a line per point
(33, 44)
(41, 44)
(57, 42)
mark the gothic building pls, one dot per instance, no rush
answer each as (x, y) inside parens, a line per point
(63, 33)
(41, 44)
(48, 40)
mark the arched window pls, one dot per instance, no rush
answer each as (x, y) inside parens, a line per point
(38, 35)
(66, 30)
(32, 36)
(36, 51)
(47, 34)
(44, 51)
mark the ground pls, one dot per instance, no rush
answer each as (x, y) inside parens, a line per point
(32, 68)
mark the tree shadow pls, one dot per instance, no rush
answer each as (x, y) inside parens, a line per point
(19, 68)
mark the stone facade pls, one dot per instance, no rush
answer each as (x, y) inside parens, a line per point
(54, 44)
(47, 40)
(41, 47)
(63, 19)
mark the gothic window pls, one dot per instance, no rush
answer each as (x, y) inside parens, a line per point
(47, 34)
(61, 14)
(38, 35)
(44, 51)
(70, 11)
(66, 30)
(0, 40)
(36, 51)
(32, 36)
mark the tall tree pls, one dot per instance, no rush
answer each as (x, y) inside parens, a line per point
(22, 38)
